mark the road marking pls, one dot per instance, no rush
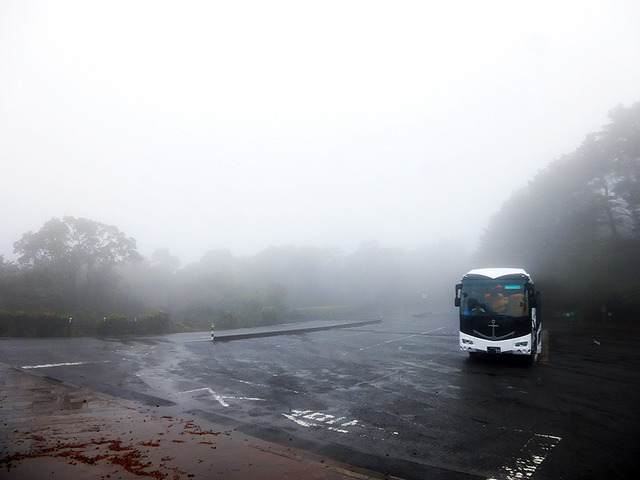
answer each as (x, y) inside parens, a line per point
(529, 459)
(254, 399)
(251, 383)
(309, 418)
(399, 339)
(214, 394)
(221, 398)
(67, 364)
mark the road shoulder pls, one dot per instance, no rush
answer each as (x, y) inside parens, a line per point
(52, 429)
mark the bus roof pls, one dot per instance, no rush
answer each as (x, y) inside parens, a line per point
(495, 273)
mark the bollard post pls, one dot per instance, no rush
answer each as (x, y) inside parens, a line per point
(212, 335)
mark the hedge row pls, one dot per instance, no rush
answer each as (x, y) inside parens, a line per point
(27, 324)
(32, 324)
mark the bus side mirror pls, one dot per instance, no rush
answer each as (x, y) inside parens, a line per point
(456, 302)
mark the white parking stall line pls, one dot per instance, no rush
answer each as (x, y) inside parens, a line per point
(251, 383)
(222, 398)
(254, 384)
(399, 339)
(253, 399)
(529, 459)
(67, 364)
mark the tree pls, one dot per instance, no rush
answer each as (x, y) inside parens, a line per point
(73, 260)
(75, 240)
(163, 260)
(577, 224)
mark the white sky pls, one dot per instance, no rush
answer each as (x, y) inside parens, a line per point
(241, 125)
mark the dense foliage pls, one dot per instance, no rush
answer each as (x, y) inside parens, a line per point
(68, 266)
(576, 225)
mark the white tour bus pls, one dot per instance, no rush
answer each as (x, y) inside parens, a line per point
(499, 312)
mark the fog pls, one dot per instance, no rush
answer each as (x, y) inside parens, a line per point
(204, 125)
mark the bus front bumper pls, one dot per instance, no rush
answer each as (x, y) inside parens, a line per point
(516, 346)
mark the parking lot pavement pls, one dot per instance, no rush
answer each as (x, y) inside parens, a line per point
(52, 429)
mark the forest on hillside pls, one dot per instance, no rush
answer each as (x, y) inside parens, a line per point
(576, 226)
(92, 273)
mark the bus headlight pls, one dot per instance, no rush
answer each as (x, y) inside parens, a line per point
(521, 344)
(467, 342)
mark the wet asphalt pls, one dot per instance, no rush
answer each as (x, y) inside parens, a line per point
(397, 396)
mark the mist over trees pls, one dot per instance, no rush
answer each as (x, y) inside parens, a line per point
(92, 272)
(68, 265)
(576, 225)
(281, 284)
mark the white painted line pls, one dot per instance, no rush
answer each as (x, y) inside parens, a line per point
(529, 459)
(50, 365)
(308, 418)
(298, 421)
(214, 394)
(251, 383)
(253, 399)
(221, 398)
(399, 339)
(196, 390)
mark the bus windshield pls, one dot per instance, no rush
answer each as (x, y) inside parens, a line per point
(482, 297)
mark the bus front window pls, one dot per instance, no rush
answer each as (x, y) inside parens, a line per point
(497, 298)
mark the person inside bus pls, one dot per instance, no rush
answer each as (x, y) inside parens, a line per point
(474, 307)
(517, 305)
(498, 303)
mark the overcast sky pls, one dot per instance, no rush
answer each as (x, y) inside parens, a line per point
(241, 125)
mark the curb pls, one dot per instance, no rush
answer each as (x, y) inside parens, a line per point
(273, 332)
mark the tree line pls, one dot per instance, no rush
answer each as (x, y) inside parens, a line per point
(576, 225)
(86, 277)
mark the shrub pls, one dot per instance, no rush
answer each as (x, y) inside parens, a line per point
(270, 315)
(33, 324)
